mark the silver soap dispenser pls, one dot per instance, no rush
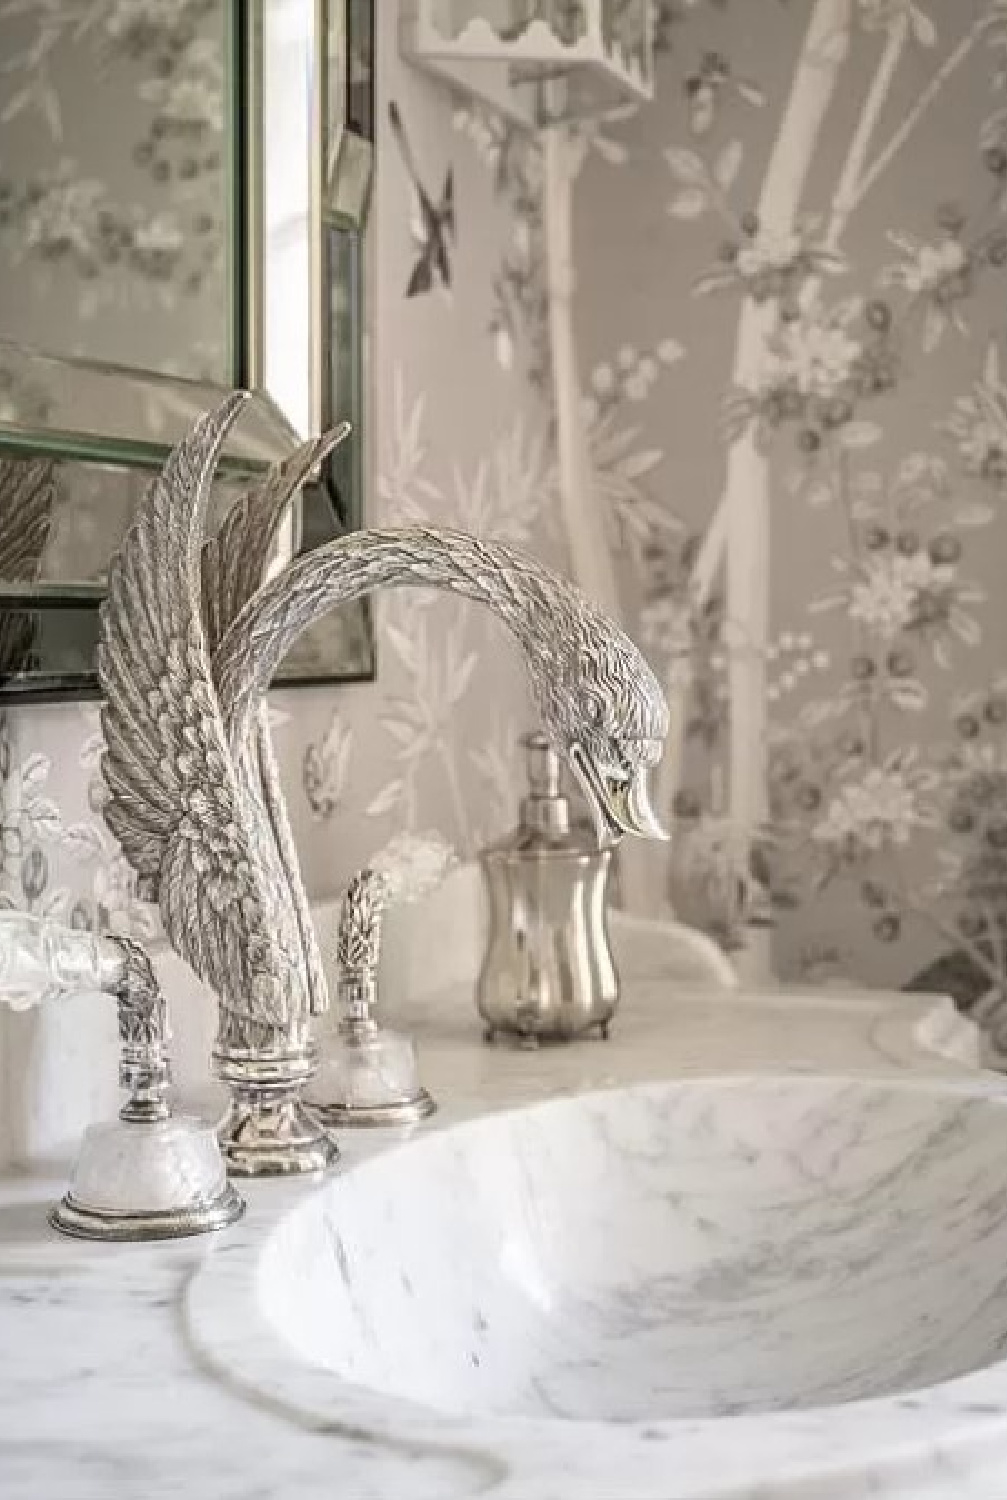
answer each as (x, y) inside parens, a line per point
(548, 973)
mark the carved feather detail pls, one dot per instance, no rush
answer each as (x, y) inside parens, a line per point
(28, 488)
(233, 566)
(234, 560)
(579, 664)
(176, 805)
(27, 502)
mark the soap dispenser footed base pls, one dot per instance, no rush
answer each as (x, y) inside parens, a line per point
(530, 1041)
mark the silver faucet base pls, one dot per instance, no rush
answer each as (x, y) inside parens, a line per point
(84, 1223)
(397, 1112)
(274, 1136)
(269, 1130)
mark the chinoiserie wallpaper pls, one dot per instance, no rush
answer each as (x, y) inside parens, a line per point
(812, 218)
(788, 305)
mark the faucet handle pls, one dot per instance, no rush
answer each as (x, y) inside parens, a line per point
(368, 1074)
(44, 960)
(150, 1174)
(358, 942)
(144, 1068)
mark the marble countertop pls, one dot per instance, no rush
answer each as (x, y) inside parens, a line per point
(125, 1372)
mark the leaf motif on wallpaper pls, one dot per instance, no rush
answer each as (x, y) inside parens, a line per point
(507, 494)
(33, 772)
(432, 223)
(407, 494)
(688, 203)
(387, 800)
(728, 165)
(325, 768)
(519, 316)
(498, 773)
(435, 660)
(83, 841)
(636, 520)
(937, 276)
(687, 166)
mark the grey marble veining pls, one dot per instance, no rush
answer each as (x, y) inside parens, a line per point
(190, 1370)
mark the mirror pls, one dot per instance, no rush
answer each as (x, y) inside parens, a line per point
(183, 194)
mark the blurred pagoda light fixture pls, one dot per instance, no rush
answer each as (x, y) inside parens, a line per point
(537, 61)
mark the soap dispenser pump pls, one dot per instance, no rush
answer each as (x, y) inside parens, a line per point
(548, 972)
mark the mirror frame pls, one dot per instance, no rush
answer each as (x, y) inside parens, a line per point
(341, 167)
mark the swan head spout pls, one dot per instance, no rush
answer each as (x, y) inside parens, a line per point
(604, 710)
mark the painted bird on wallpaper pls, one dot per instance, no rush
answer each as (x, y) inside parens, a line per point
(432, 224)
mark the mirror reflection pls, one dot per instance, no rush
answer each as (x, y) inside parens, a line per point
(115, 222)
(202, 229)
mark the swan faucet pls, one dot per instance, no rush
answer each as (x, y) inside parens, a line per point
(189, 639)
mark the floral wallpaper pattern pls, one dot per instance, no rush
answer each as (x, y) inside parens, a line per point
(818, 209)
(790, 276)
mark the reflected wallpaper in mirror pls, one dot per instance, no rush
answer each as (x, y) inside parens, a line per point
(164, 239)
(113, 220)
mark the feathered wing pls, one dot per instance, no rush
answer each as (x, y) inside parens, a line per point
(28, 493)
(27, 501)
(175, 802)
(233, 565)
(235, 558)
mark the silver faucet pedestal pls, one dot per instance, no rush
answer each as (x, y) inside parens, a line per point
(268, 1130)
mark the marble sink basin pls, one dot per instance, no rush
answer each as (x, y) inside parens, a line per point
(695, 1249)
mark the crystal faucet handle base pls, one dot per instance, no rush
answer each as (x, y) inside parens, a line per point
(369, 1073)
(147, 1181)
(371, 1077)
(148, 1174)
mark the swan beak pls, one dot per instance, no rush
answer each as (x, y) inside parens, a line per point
(619, 804)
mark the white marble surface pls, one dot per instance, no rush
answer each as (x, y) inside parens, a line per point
(707, 1248)
(160, 1372)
